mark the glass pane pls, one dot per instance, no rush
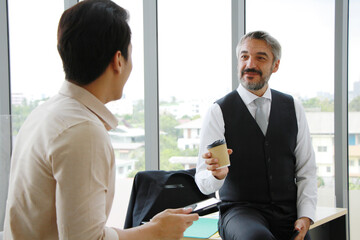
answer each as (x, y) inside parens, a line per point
(35, 65)
(306, 70)
(354, 118)
(129, 137)
(194, 71)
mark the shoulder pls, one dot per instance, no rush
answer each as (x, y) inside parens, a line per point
(64, 117)
(228, 97)
(275, 93)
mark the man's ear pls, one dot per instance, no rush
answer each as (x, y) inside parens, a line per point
(117, 61)
(276, 66)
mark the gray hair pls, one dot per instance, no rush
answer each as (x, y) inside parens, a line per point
(261, 35)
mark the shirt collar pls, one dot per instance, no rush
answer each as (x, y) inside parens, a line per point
(91, 102)
(248, 97)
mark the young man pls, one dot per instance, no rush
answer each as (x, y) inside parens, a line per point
(63, 166)
(269, 190)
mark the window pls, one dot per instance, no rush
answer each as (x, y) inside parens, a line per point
(35, 39)
(194, 71)
(298, 73)
(352, 138)
(354, 117)
(322, 149)
(129, 137)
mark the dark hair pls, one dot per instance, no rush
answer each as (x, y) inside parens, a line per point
(89, 34)
(261, 35)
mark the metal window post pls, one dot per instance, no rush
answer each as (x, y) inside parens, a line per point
(5, 110)
(237, 31)
(151, 83)
(340, 106)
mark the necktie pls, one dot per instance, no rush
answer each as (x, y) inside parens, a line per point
(260, 115)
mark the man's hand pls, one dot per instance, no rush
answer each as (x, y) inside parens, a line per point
(213, 164)
(172, 223)
(302, 225)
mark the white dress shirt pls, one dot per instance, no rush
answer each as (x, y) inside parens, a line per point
(62, 171)
(305, 169)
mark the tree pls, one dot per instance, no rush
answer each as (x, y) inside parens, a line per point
(137, 118)
(354, 105)
(167, 124)
(20, 112)
(325, 104)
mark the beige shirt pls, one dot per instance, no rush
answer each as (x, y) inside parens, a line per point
(62, 170)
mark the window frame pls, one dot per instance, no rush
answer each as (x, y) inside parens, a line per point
(5, 109)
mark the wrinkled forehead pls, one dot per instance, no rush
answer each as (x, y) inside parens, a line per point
(255, 46)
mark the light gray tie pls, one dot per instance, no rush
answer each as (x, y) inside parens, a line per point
(260, 115)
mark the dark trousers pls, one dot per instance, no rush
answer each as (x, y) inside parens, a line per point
(257, 222)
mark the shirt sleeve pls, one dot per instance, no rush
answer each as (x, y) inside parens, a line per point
(81, 158)
(212, 129)
(305, 168)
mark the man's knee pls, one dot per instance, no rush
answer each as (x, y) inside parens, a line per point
(238, 233)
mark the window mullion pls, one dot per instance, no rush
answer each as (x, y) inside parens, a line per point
(151, 83)
(5, 110)
(340, 105)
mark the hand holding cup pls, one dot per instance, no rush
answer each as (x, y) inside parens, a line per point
(217, 159)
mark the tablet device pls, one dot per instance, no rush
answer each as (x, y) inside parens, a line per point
(205, 207)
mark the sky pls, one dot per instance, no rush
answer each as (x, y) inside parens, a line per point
(194, 46)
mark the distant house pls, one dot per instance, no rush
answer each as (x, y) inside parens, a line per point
(191, 134)
(321, 125)
(126, 142)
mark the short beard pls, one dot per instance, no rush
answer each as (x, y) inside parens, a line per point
(253, 86)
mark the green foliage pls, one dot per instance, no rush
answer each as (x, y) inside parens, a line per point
(168, 146)
(167, 124)
(354, 105)
(168, 149)
(190, 152)
(139, 165)
(20, 112)
(324, 105)
(165, 164)
(137, 118)
(168, 142)
(320, 182)
(354, 183)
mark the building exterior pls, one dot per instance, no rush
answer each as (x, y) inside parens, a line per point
(127, 143)
(191, 134)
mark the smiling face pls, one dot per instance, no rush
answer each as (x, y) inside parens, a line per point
(255, 65)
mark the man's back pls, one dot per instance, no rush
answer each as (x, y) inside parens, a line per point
(39, 172)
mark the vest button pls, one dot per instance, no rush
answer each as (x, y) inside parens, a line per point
(270, 177)
(266, 143)
(268, 159)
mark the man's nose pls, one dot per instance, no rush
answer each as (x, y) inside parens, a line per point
(251, 63)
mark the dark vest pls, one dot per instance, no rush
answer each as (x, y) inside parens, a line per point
(262, 167)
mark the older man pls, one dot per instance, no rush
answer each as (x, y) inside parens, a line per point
(269, 191)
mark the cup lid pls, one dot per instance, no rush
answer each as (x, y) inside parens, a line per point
(216, 143)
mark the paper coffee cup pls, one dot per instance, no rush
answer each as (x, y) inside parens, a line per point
(219, 151)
